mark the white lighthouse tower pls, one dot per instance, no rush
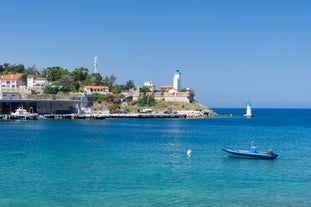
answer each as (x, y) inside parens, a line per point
(248, 110)
(177, 80)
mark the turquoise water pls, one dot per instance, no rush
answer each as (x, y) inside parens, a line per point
(143, 162)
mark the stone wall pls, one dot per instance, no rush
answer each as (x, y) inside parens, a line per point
(10, 95)
(185, 97)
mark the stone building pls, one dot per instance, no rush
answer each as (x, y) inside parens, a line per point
(168, 93)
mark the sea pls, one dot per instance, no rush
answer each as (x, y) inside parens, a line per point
(144, 162)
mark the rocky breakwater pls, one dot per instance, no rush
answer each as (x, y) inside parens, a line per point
(197, 114)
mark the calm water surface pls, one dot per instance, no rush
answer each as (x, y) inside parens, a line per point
(143, 162)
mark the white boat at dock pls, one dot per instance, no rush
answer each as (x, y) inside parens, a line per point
(21, 113)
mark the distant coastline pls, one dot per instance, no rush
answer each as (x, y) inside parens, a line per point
(65, 108)
(57, 90)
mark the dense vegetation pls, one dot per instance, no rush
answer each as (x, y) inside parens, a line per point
(64, 80)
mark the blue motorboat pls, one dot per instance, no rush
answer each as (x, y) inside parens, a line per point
(251, 153)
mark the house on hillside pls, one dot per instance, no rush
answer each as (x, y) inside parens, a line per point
(11, 82)
(36, 84)
(96, 89)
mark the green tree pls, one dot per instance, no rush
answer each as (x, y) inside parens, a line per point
(109, 81)
(144, 89)
(44, 72)
(66, 82)
(20, 68)
(99, 98)
(113, 108)
(96, 79)
(80, 74)
(117, 89)
(130, 84)
(48, 89)
(56, 73)
(146, 101)
(32, 70)
(87, 81)
(4, 67)
(77, 87)
(9, 68)
(29, 71)
(24, 78)
(1, 69)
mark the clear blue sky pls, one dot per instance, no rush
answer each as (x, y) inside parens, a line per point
(227, 50)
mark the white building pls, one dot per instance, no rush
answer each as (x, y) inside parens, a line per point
(36, 84)
(11, 82)
(150, 85)
(96, 89)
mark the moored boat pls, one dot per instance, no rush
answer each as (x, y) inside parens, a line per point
(21, 113)
(251, 153)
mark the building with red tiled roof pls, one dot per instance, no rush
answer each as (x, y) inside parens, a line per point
(10, 82)
(96, 89)
(36, 84)
(166, 87)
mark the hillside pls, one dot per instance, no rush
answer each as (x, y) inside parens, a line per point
(195, 109)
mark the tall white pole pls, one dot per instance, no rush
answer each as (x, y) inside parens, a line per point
(95, 65)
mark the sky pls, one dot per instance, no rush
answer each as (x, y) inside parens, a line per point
(228, 51)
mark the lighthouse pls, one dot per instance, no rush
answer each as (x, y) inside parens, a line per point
(248, 110)
(177, 80)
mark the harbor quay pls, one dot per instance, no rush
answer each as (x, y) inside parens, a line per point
(91, 116)
(111, 116)
(65, 109)
(42, 106)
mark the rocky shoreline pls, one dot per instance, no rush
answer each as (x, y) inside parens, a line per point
(198, 114)
(191, 110)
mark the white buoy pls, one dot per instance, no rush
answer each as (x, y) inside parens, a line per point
(189, 152)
